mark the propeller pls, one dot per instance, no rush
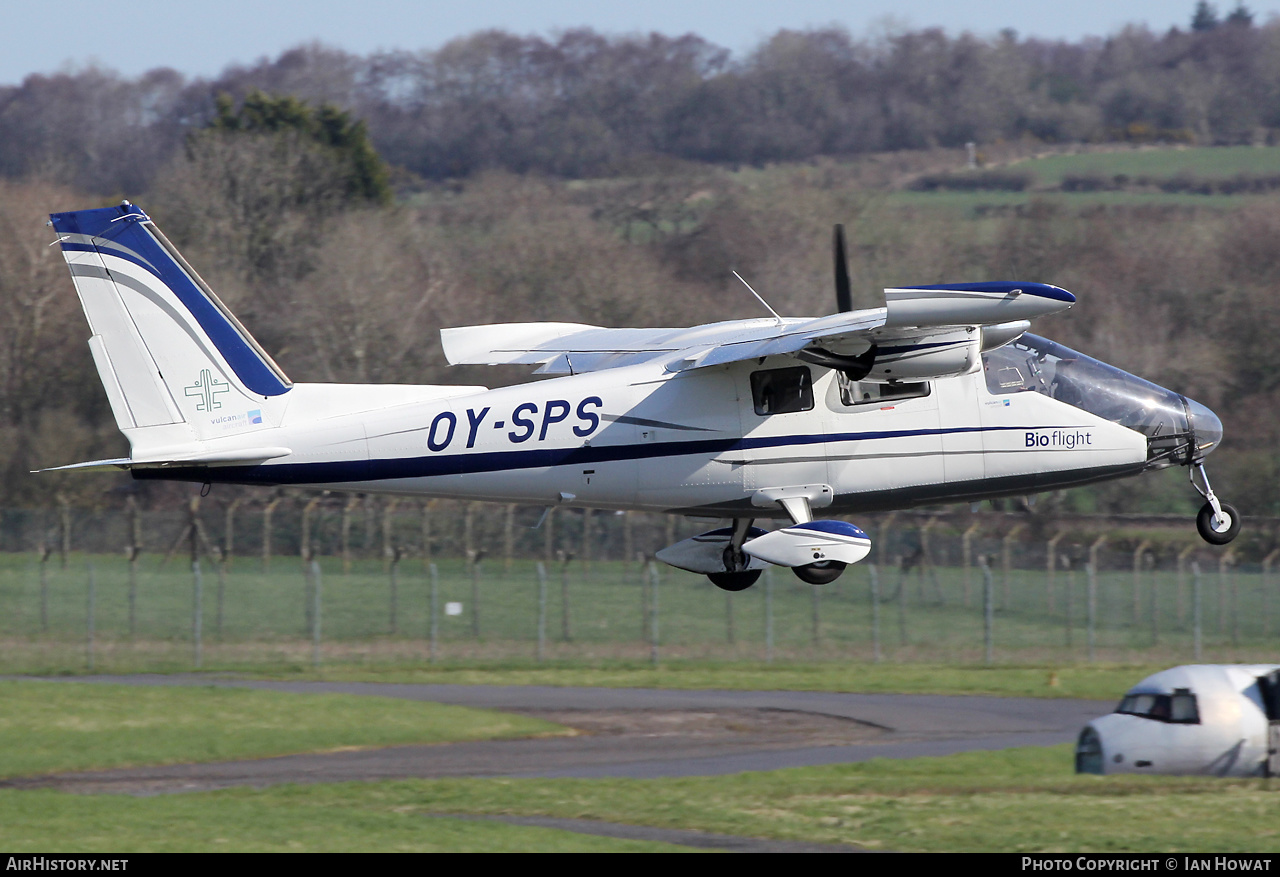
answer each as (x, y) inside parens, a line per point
(844, 294)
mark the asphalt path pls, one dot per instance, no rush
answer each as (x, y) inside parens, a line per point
(628, 732)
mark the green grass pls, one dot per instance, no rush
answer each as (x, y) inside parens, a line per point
(1103, 682)
(54, 726)
(1216, 161)
(1016, 800)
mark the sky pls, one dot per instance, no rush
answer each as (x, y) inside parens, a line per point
(200, 39)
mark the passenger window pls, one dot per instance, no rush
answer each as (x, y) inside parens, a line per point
(782, 390)
(854, 393)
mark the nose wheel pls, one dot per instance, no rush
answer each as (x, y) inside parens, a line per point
(1218, 522)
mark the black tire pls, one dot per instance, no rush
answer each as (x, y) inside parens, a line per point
(1204, 523)
(824, 572)
(734, 581)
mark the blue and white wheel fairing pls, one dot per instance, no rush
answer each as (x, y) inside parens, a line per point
(813, 542)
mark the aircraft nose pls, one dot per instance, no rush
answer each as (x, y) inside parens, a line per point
(1206, 427)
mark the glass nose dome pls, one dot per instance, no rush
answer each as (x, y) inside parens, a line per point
(1178, 429)
(1206, 428)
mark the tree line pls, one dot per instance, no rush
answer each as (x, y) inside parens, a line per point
(584, 104)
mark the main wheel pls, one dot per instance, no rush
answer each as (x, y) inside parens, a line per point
(824, 572)
(734, 581)
(1226, 528)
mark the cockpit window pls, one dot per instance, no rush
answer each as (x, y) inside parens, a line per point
(1033, 364)
(854, 393)
(1179, 708)
(782, 390)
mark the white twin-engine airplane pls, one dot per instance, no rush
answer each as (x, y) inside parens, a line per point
(937, 397)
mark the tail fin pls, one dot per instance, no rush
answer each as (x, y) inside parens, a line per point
(176, 364)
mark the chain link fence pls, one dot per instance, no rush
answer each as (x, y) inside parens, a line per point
(295, 581)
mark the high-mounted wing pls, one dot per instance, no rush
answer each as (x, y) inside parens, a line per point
(917, 325)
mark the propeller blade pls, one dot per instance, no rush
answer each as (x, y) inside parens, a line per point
(844, 295)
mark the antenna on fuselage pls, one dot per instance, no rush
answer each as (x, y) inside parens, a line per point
(758, 298)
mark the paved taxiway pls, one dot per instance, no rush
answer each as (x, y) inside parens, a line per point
(627, 732)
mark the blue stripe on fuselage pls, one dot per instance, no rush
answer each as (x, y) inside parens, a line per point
(510, 461)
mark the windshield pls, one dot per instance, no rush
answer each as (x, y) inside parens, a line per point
(1035, 364)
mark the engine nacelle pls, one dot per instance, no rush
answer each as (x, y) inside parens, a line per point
(813, 542)
(927, 356)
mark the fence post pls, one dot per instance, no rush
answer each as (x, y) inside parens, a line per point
(988, 610)
(1091, 611)
(1149, 561)
(876, 656)
(1225, 582)
(1069, 598)
(229, 530)
(815, 592)
(473, 559)
(45, 551)
(1006, 561)
(1197, 612)
(653, 614)
(433, 629)
(317, 603)
(508, 538)
(89, 620)
(966, 542)
(728, 617)
(197, 611)
(768, 614)
(1051, 560)
(64, 528)
(267, 512)
(220, 558)
(1182, 584)
(566, 632)
(542, 611)
(132, 550)
(425, 532)
(588, 535)
(1266, 591)
(1137, 580)
(393, 620)
(348, 508)
(388, 528)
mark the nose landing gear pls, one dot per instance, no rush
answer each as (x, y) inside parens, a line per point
(1218, 522)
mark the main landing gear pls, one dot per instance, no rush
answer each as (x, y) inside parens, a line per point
(736, 576)
(1218, 522)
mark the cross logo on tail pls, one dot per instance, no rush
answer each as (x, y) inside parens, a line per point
(206, 390)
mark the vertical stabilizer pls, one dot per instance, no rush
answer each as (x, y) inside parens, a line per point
(176, 364)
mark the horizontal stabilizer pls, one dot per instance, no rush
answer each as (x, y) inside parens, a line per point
(237, 457)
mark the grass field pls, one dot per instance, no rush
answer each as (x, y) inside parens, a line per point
(1017, 800)
(52, 726)
(1047, 174)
